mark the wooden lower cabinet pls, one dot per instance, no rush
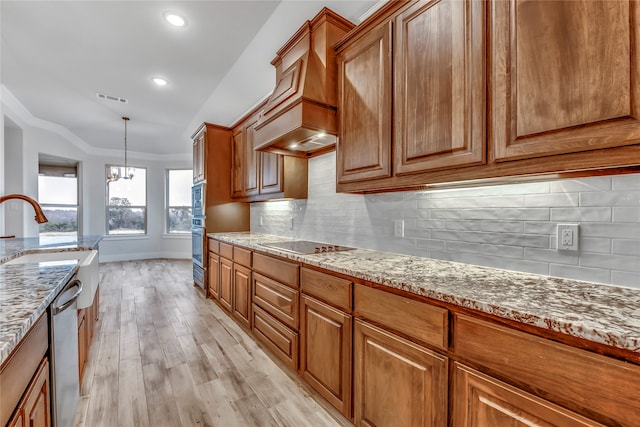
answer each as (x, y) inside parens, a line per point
(482, 401)
(282, 341)
(242, 294)
(325, 352)
(225, 295)
(397, 382)
(35, 408)
(214, 275)
(83, 340)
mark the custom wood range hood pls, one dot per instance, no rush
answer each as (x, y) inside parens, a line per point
(300, 117)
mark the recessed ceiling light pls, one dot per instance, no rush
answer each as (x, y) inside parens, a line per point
(159, 81)
(174, 19)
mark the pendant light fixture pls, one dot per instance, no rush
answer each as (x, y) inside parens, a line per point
(118, 172)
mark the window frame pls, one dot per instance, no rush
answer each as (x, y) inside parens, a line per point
(145, 208)
(168, 206)
(77, 206)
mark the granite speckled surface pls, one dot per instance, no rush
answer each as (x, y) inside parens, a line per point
(601, 313)
(26, 290)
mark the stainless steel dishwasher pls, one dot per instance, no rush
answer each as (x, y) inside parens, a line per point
(63, 347)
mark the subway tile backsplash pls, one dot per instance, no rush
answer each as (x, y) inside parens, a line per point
(505, 226)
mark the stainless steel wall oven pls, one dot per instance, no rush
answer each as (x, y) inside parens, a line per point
(198, 234)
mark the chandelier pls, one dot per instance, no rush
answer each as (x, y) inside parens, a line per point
(117, 172)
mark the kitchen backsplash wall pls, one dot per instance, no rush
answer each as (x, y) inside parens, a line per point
(507, 226)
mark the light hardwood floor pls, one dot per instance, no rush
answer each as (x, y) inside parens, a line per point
(163, 356)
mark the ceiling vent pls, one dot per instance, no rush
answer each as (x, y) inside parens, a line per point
(112, 98)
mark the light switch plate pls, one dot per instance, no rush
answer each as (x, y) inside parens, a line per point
(567, 237)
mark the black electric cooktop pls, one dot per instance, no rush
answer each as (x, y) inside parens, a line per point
(305, 247)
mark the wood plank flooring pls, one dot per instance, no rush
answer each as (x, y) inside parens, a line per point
(163, 356)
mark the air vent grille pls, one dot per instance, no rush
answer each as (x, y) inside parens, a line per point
(112, 98)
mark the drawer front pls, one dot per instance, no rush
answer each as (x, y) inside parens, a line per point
(282, 271)
(282, 341)
(278, 300)
(214, 246)
(330, 289)
(481, 400)
(416, 319)
(604, 385)
(242, 256)
(226, 250)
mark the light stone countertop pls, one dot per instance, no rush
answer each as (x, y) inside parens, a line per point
(26, 290)
(601, 313)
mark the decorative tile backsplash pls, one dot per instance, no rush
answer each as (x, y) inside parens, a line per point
(506, 226)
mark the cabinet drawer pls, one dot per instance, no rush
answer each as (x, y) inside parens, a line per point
(278, 300)
(416, 319)
(331, 289)
(242, 256)
(282, 341)
(479, 399)
(562, 373)
(214, 246)
(226, 250)
(283, 271)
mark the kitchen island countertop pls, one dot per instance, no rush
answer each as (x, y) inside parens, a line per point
(26, 290)
(600, 313)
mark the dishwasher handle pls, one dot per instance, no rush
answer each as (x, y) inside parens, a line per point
(74, 283)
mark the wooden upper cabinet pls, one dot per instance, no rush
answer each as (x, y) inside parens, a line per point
(199, 160)
(251, 160)
(439, 86)
(364, 93)
(271, 176)
(237, 156)
(564, 76)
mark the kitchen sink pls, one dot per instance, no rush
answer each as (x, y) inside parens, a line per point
(88, 269)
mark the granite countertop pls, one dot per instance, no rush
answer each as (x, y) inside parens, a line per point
(26, 290)
(601, 313)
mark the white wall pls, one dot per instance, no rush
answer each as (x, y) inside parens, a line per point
(507, 226)
(39, 137)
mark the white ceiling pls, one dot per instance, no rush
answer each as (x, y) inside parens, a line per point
(55, 56)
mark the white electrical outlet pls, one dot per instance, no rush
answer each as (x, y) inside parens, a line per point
(398, 228)
(261, 220)
(567, 237)
(290, 223)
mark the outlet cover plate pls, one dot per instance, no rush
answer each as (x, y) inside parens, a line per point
(567, 237)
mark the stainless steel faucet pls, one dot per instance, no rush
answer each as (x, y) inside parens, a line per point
(40, 217)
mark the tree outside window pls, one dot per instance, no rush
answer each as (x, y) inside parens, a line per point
(178, 218)
(127, 204)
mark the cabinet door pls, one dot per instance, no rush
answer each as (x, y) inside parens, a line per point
(564, 77)
(271, 173)
(479, 401)
(364, 94)
(82, 341)
(251, 161)
(439, 86)
(237, 156)
(396, 382)
(242, 294)
(17, 420)
(37, 404)
(214, 275)
(325, 352)
(198, 157)
(225, 295)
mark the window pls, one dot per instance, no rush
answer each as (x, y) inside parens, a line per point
(58, 196)
(127, 204)
(179, 200)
